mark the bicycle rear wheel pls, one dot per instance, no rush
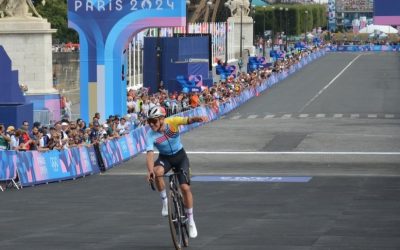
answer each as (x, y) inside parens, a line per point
(174, 220)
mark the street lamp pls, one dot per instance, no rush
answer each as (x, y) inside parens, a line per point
(253, 7)
(241, 32)
(305, 25)
(240, 62)
(226, 4)
(187, 12)
(280, 19)
(209, 4)
(263, 34)
(273, 27)
(286, 28)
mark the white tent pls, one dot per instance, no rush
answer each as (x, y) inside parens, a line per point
(380, 28)
(383, 35)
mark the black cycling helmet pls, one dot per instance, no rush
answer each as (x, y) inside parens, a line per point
(156, 112)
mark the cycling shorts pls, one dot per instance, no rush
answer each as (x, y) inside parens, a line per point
(176, 162)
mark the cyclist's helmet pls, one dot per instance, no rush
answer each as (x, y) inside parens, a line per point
(156, 112)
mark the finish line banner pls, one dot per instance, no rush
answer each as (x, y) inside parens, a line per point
(211, 178)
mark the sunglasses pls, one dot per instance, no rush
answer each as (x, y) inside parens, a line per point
(152, 120)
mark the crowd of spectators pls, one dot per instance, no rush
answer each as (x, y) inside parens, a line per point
(67, 133)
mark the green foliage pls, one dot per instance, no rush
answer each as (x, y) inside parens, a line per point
(298, 18)
(55, 11)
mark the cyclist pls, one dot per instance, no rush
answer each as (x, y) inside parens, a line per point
(164, 134)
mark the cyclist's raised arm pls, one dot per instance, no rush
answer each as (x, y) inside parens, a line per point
(194, 119)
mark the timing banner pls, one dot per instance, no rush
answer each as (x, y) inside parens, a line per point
(36, 167)
(8, 165)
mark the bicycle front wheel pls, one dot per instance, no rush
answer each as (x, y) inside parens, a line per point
(174, 220)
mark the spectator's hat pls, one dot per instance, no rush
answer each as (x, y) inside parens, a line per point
(10, 129)
(64, 124)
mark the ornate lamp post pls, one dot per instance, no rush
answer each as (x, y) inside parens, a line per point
(253, 10)
(263, 34)
(226, 4)
(187, 12)
(273, 26)
(241, 30)
(209, 4)
(286, 28)
(305, 25)
(280, 20)
(240, 62)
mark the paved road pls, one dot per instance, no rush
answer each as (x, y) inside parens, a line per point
(344, 134)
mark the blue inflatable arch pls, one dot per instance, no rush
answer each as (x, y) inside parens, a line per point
(105, 28)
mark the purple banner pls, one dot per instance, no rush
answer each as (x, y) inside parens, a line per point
(41, 167)
(8, 165)
(111, 154)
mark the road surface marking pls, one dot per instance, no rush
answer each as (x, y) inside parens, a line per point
(329, 84)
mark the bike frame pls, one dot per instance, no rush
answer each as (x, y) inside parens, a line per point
(178, 221)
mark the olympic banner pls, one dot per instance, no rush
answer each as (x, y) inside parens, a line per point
(8, 165)
(117, 150)
(36, 167)
(111, 153)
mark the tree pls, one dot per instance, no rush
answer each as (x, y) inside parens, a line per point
(55, 11)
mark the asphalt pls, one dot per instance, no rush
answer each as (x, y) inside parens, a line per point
(350, 202)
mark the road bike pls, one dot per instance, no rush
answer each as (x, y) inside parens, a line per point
(178, 221)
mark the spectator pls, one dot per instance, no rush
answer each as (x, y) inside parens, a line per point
(14, 137)
(35, 138)
(123, 127)
(4, 139)
(95, 133)
(25, 141)
(131, 104)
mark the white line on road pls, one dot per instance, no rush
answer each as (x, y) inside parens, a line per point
(329, 84)
(269, 116)
(287, 153)
(235, 117)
